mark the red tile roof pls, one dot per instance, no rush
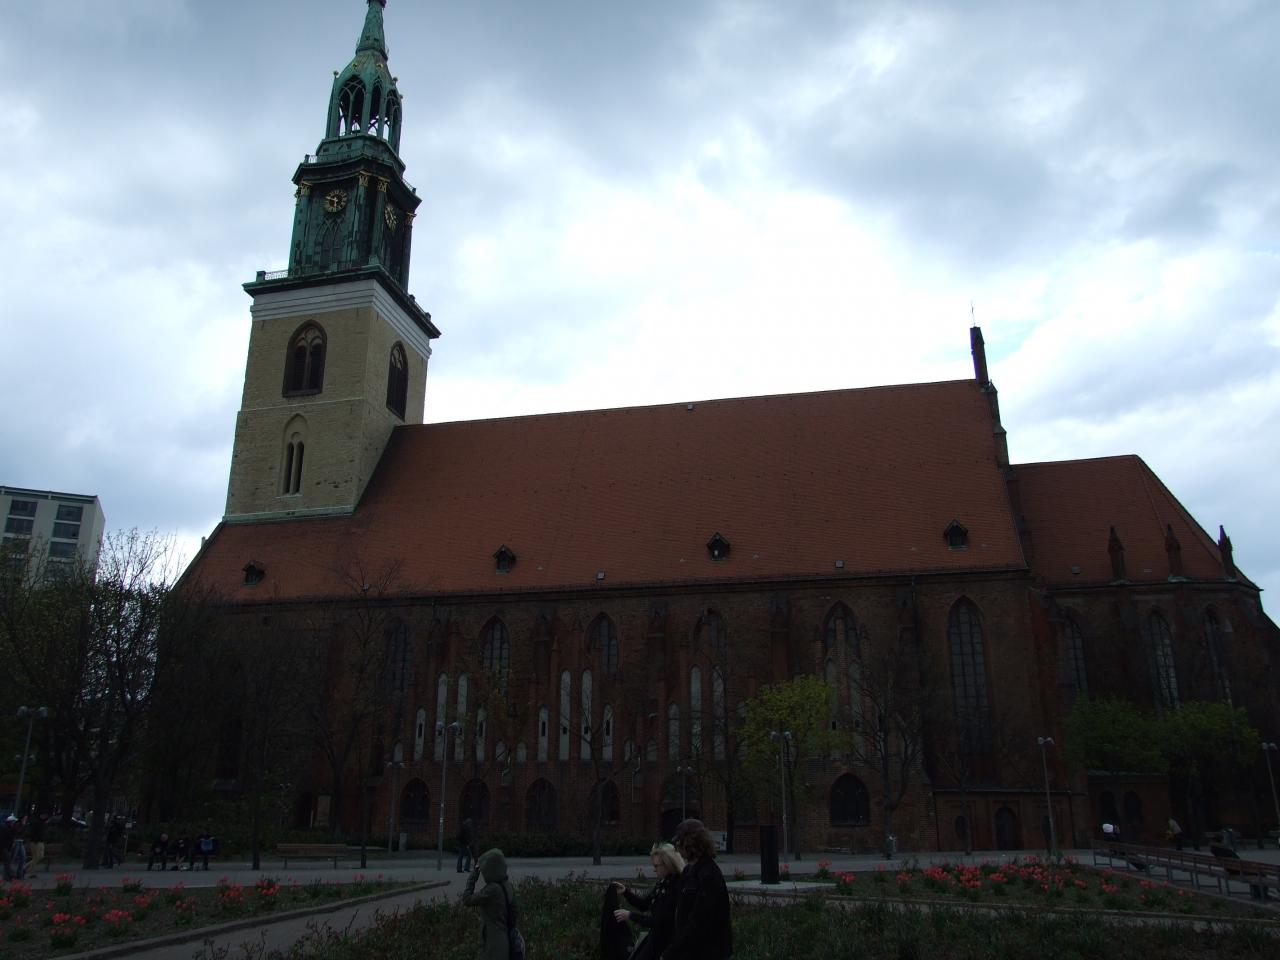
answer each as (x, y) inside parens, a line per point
(869, 476)
(1071, 506)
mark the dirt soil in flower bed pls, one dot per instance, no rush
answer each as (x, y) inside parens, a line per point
(73, 917)
(1039, 883)
(561, 921)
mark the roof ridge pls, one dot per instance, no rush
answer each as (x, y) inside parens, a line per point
(714, 400)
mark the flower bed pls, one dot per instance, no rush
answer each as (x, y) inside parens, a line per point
(1040, 883)
(71, 917)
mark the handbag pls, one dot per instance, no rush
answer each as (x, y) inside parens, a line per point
(515, 942)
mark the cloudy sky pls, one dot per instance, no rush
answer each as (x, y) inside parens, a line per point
(630, 203)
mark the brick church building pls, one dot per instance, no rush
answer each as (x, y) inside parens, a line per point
(592, 596)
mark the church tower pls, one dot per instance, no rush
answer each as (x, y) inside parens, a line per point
(338, 348)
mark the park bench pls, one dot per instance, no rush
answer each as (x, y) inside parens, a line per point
(1221, 868)
(312, 851)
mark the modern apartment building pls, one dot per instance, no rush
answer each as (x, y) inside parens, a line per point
(60, 528)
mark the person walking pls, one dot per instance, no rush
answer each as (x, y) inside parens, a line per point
(115, 830)
(159, 851)
(1175, 833)
(496, 901)
(39, 827)
(656, 910)
(466, 844)
(703, 926)
(19, 854)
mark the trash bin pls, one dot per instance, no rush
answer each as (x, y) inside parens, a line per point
(891, 846)
(768, 854)
(404, 842)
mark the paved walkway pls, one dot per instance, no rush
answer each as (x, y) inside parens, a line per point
(414, 866)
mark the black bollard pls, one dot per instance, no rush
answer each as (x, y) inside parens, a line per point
(768, 854)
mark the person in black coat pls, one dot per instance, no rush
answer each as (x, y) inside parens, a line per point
(703, 928)
(656, 910)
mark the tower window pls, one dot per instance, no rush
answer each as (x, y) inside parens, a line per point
(304, 368)
(291, 476)
(718, 547)
(956, 535)
(351, 106)
(253, 574)
(397, 381)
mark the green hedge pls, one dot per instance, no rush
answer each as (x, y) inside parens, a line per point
(561, 920)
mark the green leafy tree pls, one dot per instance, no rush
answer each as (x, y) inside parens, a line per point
(801, 706)
(1206, 741)
(1112, 737)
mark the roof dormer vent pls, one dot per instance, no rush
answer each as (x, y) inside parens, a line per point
(956, 535)
(253, 574)
(718, 547)
(504, 559)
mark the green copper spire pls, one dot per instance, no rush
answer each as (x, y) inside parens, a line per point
(365, 101)
(371, 38)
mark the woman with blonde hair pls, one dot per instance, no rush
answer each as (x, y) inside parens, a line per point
(656, 910)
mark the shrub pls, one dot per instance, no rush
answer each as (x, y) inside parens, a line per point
(64, 883)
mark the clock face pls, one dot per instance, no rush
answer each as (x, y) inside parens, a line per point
(389, 215)
(335, 200)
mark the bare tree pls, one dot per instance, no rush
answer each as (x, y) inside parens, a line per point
(340, 688)
(89, 647)
(885, 709)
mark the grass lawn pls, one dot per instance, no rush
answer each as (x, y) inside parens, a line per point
(74, 917)
(560, 921)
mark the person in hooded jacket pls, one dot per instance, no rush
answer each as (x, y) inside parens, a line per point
(656, 909)
(493, 900)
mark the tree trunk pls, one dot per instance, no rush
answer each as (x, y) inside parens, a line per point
(256, 841)
(886, 783)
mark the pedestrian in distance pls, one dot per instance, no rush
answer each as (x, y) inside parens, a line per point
(499, 913)
(1174, 833)
(466, 844)
(115, 831)
(703, 926)
(159, 851)
(655, 910)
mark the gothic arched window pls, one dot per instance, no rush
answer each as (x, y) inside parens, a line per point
(840, 630)
(497, 653)
(304, 366)
(295, 448)
(714, 633)
(1213, 640)
(1077, 677)
(850, 804)
(604, 638)
(540, 807)
(397, 381)
(969, 677)
(1164, 677)
(351, 106)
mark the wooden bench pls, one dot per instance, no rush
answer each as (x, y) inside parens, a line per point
(312, 851)
(1221, 869)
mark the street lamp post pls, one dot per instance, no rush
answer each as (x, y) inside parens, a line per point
(31, 715)
(1048, 800)
(443, 733)
(1268, 749)
(782, 739)
(397, 761)
(684, 770)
